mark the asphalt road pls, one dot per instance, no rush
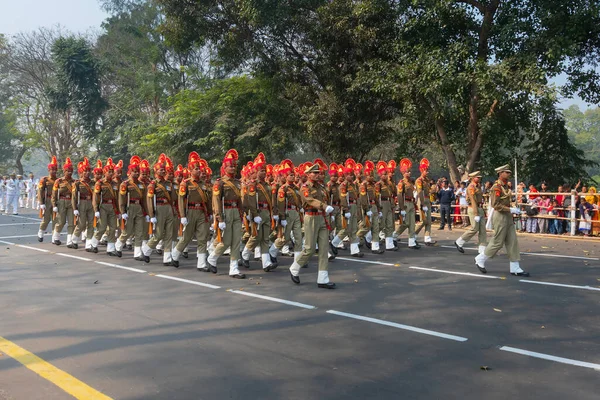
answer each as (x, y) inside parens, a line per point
(412, 324)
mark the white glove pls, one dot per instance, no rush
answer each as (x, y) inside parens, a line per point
(97, 214)
(403, 213)
(43, 207)
(257, 220)
(515, 210)
(425, 209)
(302, 210)
(222, 225)
(124, 216)
(333, 219)
(369, 213)
(76, 213)
(284, 223)
(184, 221)
(276, 218)
(380, 214)
(55, 209)
(477, 218)
(153, 220)
(348, 215)
(249, 217)
(329, 210)
(147, 218)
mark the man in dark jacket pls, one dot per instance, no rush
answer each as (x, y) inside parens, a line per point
(446, 198)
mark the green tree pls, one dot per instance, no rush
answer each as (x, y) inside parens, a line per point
(584, 132)
(551, 156)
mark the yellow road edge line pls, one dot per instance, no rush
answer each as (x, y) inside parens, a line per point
(60, 378)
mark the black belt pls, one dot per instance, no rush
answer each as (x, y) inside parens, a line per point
(110, 201)
(385, 198)
(292, 207)
(312, 211)
(64, 197)
(232, 204)
(135, 201)
(162, 201)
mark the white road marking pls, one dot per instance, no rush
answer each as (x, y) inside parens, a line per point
(457, 273)
(22, 223)
(551, 358)
(141, 271)
(536, 254)
(23, 236)
(33, 248)
(9, 243)
(560, 284)
(18, 216)
(364, 261)
(208, 285)
(400, 326)
(290, 303)
(72, 256)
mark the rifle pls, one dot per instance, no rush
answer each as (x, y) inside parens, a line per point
(126, 209)
(78, 197)
(367, 220)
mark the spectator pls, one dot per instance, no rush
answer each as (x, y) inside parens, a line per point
(567, 208)
(531, 194)
(521, 200)
(592, 198)
(585, 210)
(446, 198)
(555, 225)
(543, 205)
(461, 196)
(560, 197)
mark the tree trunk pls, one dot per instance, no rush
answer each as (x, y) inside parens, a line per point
(447, 149)
(18, 158)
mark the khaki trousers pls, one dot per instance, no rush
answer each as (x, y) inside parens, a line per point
(293, 226)
(477, 228)
(85, 221)
(107, 223)
(504, 235)
(197, 226)
(164, 227)
(408, 221)
(232, 235)
(134, 226)
(64, 216)
(47, 217)
(315, 232)
(263, 232)
(374, 228)
(425, 219)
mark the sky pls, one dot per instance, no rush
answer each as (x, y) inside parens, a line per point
(85, 15)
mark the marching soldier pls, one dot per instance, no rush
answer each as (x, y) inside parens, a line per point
(351, 207)
(159, 204)
(406, 204)
(177, 226)
(81, 201)
(263, 213)
(132, 206)
(503, 225)
(104, 203)
(424, 202)
(316, 228)
(476, 215)
(13, 189)
(195, 209)
(31, 195)
(370, 194)
(333, 193)
(289, 205)
(45, 187)
(227, 208)
(387, 197)
(62, 205)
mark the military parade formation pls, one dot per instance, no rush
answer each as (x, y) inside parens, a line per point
(268, 211)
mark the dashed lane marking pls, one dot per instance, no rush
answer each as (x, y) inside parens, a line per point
(259, 296)
(560, 285)
(365, 261)
(72, 256)
(457, 273)
(140, 271)
(208, 285)
(551, 358)
(536, 254)
(399, 326)
(60, 378)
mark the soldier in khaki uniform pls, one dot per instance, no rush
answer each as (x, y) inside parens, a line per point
(424, 202)
(177, 225)
(351, 207)
(104, 203)
(289, 205)
(263, 213)
(145, 180)
(476, 215)
(370, 196)
(228, 210)
(503, 225)
(387, 199)
(132, 206)
(333, 192)
(81, 201)
(406, 203)
(316, 228)
(61, 205)
(195, 209)
(45, 187)
(159, 203)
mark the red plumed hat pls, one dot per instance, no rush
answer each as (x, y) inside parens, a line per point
(333, 169)
(161, 163)
(83, 165)
(144, 166)
(68, 165)
(259, 162)
(231, 157)
(405, 165)
(53, 163)
(369, 167)
(109, 166)
(424, 165)
(193, 159)
(381, 167)
(134, 163)
(179, 170)
(391, 166)
(349, 166)
(98, 169)
(119, 165)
